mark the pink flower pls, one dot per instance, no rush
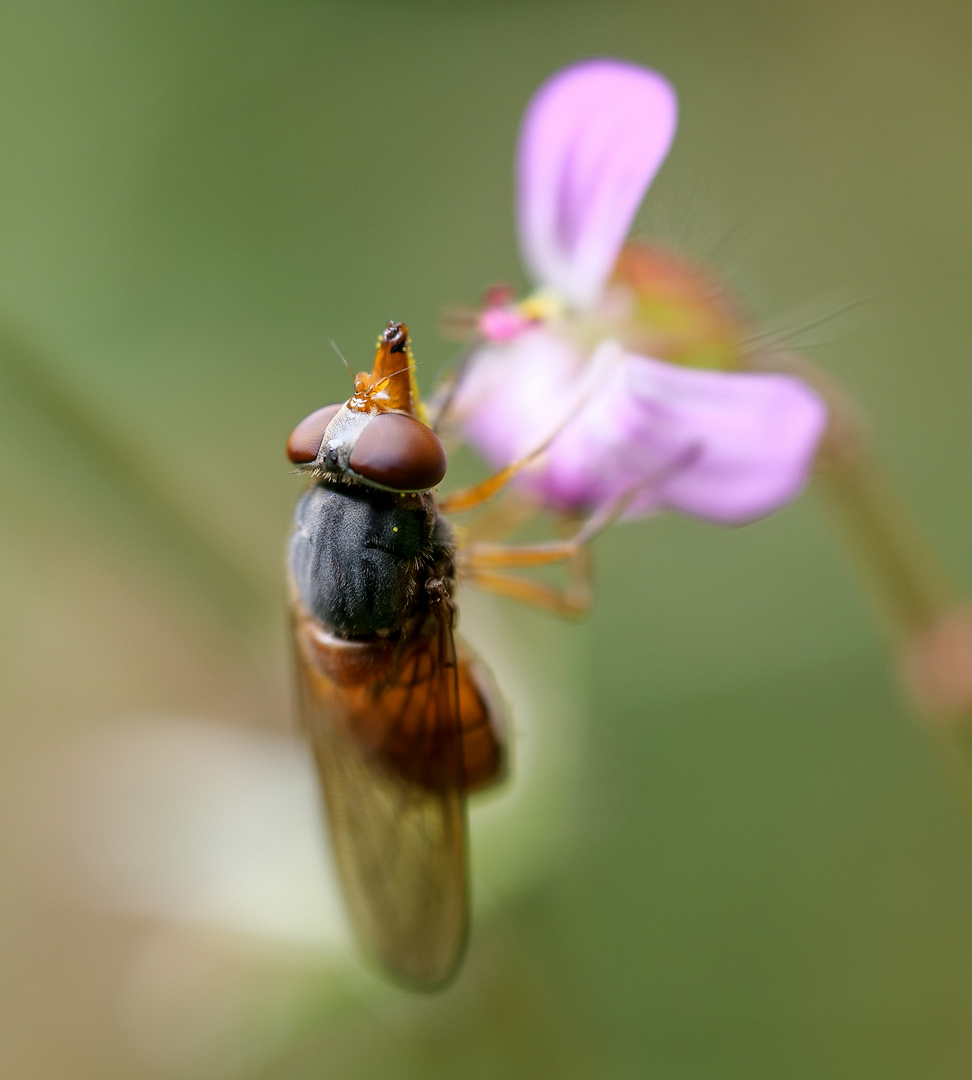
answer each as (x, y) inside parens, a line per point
(587, 352)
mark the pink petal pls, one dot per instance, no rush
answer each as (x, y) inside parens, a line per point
(591, 141)
(725, 446)
(757, 434)
(515, 395)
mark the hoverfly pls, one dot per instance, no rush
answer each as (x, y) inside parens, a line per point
(402, 722)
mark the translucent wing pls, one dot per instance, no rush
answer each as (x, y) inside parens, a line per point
(383, 718)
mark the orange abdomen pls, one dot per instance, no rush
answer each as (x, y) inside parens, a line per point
(414, 703)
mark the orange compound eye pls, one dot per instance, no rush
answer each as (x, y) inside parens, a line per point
(305, 440)
(399, 452)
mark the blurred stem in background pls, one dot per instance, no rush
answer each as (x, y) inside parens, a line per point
(81, 434)
(930, 626)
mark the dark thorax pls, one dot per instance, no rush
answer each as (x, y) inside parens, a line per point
(367, 562)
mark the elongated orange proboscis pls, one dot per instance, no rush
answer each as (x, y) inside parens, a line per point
(391, 386)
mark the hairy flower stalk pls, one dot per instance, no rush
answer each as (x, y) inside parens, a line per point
(920, 606)
(635, 370)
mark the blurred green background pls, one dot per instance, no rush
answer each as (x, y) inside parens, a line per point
(765, 871)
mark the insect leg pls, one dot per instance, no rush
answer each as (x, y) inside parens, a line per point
(571, 602)
(482, 564)
(470, 498)
(448, 388)
(501, 518)
(489, 556)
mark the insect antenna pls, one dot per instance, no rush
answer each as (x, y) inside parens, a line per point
(343, 361)
(399, 372)
(387, 378)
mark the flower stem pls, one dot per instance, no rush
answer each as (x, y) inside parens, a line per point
(929, 625)
(236, 588)
(911, 587)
